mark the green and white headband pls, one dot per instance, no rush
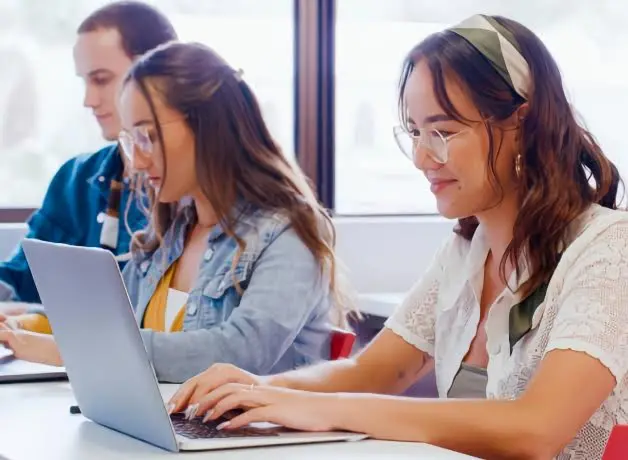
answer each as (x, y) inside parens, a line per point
(499, 46)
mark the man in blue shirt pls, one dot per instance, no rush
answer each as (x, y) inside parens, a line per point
(88, 202)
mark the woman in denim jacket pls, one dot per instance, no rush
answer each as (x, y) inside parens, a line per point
(237, 263)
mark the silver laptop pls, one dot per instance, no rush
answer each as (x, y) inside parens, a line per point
(16, 370)
(113, 380)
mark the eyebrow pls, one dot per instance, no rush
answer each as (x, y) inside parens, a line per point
(433, 118)
(94, 73)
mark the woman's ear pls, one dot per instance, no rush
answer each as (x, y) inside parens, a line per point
(522, 111)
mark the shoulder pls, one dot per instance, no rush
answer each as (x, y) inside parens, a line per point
(79, 169)
(260, 228)
(68, 195)
(594, 220)
(264, 221)
(596, 227)
(271, 235)
(598, 238)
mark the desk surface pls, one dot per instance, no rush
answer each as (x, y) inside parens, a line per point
(35, 423)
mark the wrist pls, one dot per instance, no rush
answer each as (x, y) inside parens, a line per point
(346, 411)
(273, 381)
(54, 356)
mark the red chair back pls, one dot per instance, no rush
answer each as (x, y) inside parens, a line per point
(617, 445)
(341, 343)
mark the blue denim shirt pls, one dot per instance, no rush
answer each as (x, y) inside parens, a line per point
(69, 214)
(281, 320)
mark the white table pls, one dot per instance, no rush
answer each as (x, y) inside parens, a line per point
(381, 304)
(35, 423)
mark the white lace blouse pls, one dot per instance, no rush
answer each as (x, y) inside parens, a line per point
(585, 309)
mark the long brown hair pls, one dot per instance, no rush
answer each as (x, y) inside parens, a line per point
(236, 158)
(563, 169)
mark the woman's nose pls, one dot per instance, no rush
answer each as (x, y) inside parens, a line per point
(140, 161)
(424, 158)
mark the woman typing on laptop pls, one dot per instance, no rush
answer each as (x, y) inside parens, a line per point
(237, 264)
(530, 290)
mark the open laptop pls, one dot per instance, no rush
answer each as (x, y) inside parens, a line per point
(113, 380)
(14, 370)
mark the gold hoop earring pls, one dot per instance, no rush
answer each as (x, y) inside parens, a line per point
(518, 166)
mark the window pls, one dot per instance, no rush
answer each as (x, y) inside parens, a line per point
(42, 121)
(373, 37)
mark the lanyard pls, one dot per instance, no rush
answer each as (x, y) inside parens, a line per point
(111, 216)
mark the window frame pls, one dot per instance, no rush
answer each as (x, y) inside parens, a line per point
(314, 104)
(15, 215)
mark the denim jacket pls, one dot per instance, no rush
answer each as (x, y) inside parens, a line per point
(280, 322)
(76, 196)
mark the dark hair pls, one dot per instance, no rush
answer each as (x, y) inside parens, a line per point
(141, 26)
(563, 171)
(237, 160)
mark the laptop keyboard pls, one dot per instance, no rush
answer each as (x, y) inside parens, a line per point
(196, 429)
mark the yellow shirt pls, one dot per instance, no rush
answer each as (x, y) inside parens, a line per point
(34, 322)
(154, 317)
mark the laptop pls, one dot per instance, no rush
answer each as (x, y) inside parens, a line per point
(14, 370)
(112, 378)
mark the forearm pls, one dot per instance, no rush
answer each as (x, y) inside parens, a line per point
(486, 429)
(348, 375)
(388, 365)
(328, 377)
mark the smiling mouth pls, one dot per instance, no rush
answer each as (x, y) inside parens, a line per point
(437, 187)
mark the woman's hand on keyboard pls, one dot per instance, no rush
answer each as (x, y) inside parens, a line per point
(190, 394)
(295, 409)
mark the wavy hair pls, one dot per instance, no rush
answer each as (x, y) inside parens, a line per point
(236, 158)
(563, 171)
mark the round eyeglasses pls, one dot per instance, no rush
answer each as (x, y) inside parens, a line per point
(432, 140)
(138, 136)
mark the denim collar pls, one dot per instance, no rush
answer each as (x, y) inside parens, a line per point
(245, 214)
(112, 167)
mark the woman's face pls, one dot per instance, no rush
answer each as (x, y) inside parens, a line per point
(141, 143)
(462, 184)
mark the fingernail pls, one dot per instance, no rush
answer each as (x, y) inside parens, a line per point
(223, 425)
(208, 415)
(191, 411)
(170, 408)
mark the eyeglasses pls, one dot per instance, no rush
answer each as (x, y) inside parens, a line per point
(139, 137)
(434, 142)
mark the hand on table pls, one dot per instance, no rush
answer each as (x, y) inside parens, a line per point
(30, 346)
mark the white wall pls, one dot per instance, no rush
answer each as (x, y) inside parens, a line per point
(382, 254)
(388, 254)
